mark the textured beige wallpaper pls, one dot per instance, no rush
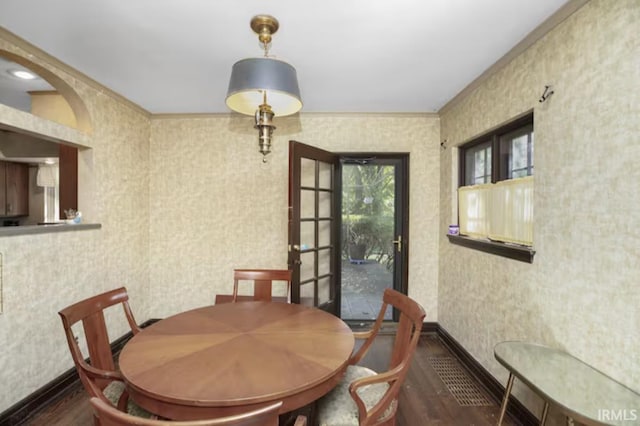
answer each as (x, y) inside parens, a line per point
(215, 206)
(44, 273)
(582, 292)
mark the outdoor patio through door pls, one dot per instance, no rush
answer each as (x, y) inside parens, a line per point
(374, 232)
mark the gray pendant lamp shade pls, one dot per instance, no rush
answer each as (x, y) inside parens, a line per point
(251, 77)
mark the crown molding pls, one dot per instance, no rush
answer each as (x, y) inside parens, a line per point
(169, 116)
(188, 115)
(373, 114)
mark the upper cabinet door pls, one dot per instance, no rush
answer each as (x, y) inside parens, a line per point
(17, 189)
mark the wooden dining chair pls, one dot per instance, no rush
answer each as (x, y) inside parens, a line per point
(107, 415)
(365, 397)
(101, 371)
(262, 283)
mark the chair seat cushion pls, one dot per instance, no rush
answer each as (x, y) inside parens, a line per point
(113, 392)
(338, 408)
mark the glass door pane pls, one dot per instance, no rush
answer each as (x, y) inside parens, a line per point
(368, 234)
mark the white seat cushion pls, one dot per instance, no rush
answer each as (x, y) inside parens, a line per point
(113, 392)
(337, 408)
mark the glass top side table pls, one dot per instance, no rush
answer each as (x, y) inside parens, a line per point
(579, 390)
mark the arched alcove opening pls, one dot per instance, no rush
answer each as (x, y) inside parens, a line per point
(81, 114)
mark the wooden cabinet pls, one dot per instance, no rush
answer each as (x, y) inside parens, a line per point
(68, 186)
(14, 189)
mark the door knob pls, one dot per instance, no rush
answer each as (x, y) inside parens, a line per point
(295, 247)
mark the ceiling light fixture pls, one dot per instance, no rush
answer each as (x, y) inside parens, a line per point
(24, 75)
(264, 87)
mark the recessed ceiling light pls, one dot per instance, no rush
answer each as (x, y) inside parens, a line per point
(25, 75)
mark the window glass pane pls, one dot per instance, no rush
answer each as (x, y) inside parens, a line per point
(324, 262)
(324, 199)
(307, 235)
(307, 204)
(307, 172)
(478, 164)
(517, 151)
(468, 162)
(324, 233)
(531, 145)
(307, 270)
(519, 163)
(479, 167)
(307, 292)
(325, 175)
(324, 290)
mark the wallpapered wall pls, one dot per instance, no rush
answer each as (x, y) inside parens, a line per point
(582, 292)
(215, 206)
(44, 273)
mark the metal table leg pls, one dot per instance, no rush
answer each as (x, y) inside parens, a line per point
(505, 400)
(545, 410)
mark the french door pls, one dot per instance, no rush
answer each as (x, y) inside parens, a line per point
(314, 232)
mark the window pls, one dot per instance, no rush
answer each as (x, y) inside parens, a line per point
(478, 159)
(495, 199)
(505, 153)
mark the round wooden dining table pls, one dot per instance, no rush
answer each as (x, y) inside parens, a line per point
(234, 357)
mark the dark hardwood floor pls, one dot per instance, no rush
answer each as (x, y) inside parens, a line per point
(424, 400)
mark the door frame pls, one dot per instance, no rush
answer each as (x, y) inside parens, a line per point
(402, 206)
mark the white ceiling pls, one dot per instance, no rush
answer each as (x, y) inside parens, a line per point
(14, 90)
(175, 56)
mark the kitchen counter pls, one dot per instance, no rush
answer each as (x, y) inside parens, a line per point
(8, 231)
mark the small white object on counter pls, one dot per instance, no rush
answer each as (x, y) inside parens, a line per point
(77, 219)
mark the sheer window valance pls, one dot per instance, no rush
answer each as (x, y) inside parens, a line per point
(502, 211)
